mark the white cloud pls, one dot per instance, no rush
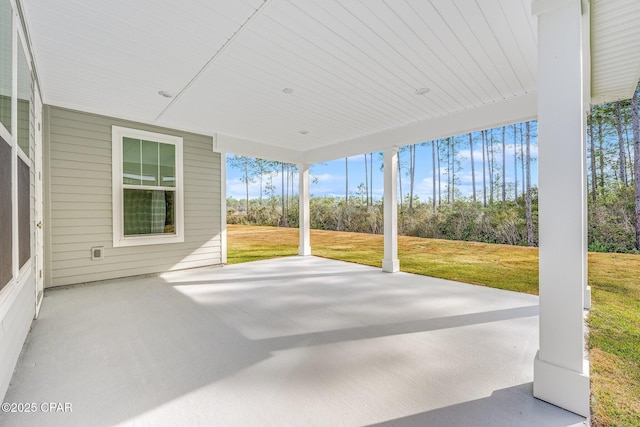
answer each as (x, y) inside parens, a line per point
(327, 178)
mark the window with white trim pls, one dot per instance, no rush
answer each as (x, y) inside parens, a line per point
(147, 188)
(16, 138)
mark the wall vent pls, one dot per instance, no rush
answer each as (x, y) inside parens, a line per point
(97, 253)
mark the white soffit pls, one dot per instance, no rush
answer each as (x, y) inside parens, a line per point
(354, 66)
(615, 49)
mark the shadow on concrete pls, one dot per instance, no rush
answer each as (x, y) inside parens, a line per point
(506, 407)
(399, 328)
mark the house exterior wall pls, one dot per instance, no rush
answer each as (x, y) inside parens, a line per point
(78, 204)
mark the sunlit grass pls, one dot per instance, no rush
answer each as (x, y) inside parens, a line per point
(255, 243)
(498, 266)
(614, 338)
(614, 321)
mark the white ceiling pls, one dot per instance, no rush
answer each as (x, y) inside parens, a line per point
(615, 49)
(354, 67)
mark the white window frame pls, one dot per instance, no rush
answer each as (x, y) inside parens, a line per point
(21, 276)
(119, 239)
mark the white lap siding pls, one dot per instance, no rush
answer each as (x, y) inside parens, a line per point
(79, 203)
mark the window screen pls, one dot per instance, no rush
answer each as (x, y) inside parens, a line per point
(24, 101)
(6, 42)
(6, 256)
(24, 213)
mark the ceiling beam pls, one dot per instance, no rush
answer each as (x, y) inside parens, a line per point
(514, 110)
(246, 147)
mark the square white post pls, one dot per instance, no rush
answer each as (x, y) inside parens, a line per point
(561, 373)
(223, 208)
(303, 210)
(390, 263)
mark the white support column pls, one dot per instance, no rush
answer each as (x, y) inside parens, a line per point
(561, 373)
(303, 210)
(223, 208)
(390, 263)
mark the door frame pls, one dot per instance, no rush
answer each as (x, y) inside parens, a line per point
(38, 220)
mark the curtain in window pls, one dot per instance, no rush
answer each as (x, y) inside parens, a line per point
(158, 212)
(136, 206)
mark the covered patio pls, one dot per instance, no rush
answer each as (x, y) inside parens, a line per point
(95, 92)
(326, 343)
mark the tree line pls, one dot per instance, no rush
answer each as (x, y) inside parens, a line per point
(501, 206)
(614, 175)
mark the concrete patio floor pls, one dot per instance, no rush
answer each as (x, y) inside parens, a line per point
(297, 341)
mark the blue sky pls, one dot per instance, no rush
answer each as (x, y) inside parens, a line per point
(330, 176)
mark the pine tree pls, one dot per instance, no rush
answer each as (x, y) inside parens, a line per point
(366, 179)
(621, 145)
(439, 173)
(636, 160)
(243, 163)
(346, 175)
(592, 149)
(504, 166)
(412, 173)
(529, 218)
(473, 170)
(433, 167)
(483, 134)
(515, 164)
(283, 221)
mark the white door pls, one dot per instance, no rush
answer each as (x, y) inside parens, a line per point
(39, 205)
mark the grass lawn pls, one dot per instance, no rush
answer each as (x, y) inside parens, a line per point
(614, 321)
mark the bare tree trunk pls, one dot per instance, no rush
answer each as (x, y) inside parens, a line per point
(629, 147)
(439, 174)
(594, 172)
(452, 144)
(621, 151)
(261, 188)
(400, 181)
(448, 170)
(504, 166)
(601, 155)
(491, 164)
(412, 173)
(433, 163)
(284, 211)
(246, 182)
(346, 175)
(522, 156)
(473, 170)
(636, 161)
(515, 164)
(484, 170)
(448, 147)
(287, 187)
(530, 237)
(371, 176)
(292, 173)
(366, 179)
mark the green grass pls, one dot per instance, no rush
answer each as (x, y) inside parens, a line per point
(614, 338)
(614, 321)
